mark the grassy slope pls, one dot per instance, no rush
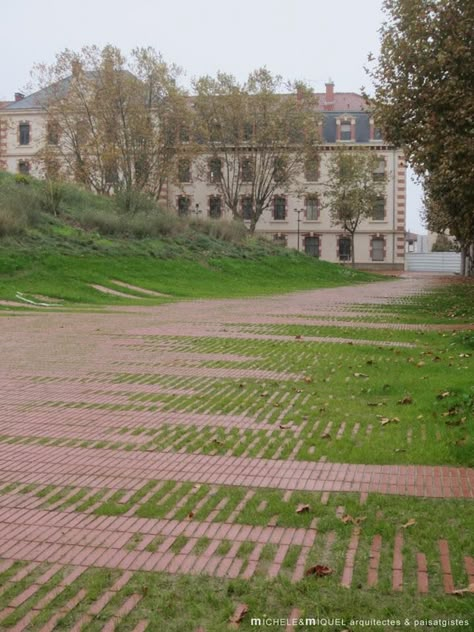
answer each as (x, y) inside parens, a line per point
(60, 261)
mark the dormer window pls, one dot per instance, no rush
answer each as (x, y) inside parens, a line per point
(346, 130)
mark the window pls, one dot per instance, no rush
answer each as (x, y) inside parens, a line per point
(53, 133)
(279, 169)
(279, 207)
(378, 133)
(378, 249)
(280, 240)
(184, 170)
(111, 173)
(215, 170)
(215, 206)
(378, 213)
(346, 130)
(24, 133)
(312, 207)
(184, 135)
(24, 167)
(246, 167)
(344, 248)
(247, 130)
(311, 246)
(379, 171)
(311, 170)
(184, 204)
(247, 207)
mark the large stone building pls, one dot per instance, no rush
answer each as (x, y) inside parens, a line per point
(296, 220)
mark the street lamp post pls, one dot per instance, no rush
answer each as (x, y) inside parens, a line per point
(299, 211)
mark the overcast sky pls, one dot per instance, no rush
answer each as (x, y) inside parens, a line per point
(312, 40)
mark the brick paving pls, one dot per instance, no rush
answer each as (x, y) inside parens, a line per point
(57, 380)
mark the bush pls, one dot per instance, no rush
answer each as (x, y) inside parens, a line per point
(133, 202)
(141, 226)
(53, 194)
(11, 223)
(20, 204)
(231, 231)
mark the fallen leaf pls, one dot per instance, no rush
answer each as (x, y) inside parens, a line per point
(443, 395)
(284, 426)
(357, 521)
(191, 515)
(217, 442)
(400, 450)
(463, 591)
(302, 509)
(410, 523)
(388, 420)
(318, 570)
(241, 386)
(406, 400)
(376, 404)
(298, 337)
(421, 363)
(264, 394)
(360, 375)
(308, 379)
(465, 355)
(326, 435)
(238, 615)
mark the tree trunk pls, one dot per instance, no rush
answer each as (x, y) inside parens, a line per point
(463, 262)
(352, 250)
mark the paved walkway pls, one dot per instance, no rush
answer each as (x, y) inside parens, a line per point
(70, 439)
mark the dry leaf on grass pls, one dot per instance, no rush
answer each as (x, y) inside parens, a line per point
(387, 420)
(443, 395)
(284, 426)
(326, 435)
(318, 570)
(406, 400)
(298, 337)
(308, 379)
(302, 509)
(238, 615)
(410, 523)
(360, 375)
(463, 591)
(350, 519)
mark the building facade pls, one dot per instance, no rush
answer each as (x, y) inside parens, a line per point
(297, 220)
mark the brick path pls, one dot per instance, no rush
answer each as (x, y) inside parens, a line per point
(59, 395)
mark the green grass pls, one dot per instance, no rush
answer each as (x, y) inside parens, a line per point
(59, 257)
(183, 602)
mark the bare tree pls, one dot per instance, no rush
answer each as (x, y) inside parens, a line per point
(354, 188)
(255, 138)
(112, 122)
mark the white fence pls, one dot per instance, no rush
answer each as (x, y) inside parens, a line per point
(448, 262)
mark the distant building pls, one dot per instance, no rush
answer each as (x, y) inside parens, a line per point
(346, 122)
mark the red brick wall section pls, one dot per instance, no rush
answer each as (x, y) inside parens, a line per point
(3, 144)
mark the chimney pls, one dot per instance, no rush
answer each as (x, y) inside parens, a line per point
(19, 96)
(329, 100)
